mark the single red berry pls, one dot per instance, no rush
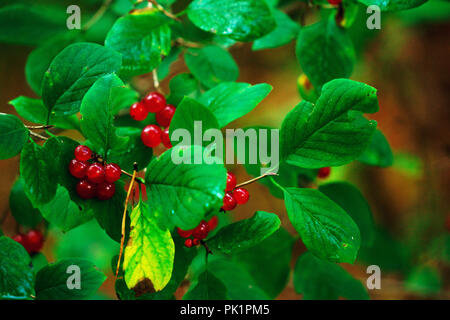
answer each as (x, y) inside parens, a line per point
(229, 203)
(201, 231)
(241, 195)
(85, 189)
(82, 153)
(151, 135)
(213, 222)
(334, 2)
(165, 138)
(78, 168)
(138, 111)
(105, 190)
(22, 239)
(154, 102)
(196, 242)
(164, 116)
(34, 240)
(188, 243)
(95, 173)
(112, 172)
(231, 181)
(323, 172)
(184, 233)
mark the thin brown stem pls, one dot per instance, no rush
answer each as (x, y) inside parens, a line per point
(161, 8)
(187, 44)
(256, 179)
(39, 127)
(98, 15)
(208, 251)
(138, 179)
(156, 81)
(34, 134)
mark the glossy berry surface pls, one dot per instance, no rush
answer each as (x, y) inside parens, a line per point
(78, 168)
(334, 2)
(105, 190)
(20, 238)
(201, 231)
(95, 173)
(85, 189)
(164, 116)
(154, 102)
(229, 203)
(188, 243)
(165, 138)
(241, 195)
(324, 172)
(82, 153)
(138, 111)
(196, 242)
(151, 135)
(213, 222)
(231, 181)
(34, 240)
(112, 172)
(184, 233)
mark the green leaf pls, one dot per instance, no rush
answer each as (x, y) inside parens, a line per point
(424, 280)
(98, 115)
(13, 136)
(141, 39)
(53, 280)
(16, 275)
(349, 198)
(230, 101)
(72, 72)
(183, 84)
(21, 208)
(187, 113)
(378, 153)
(393, 5)
(211, 65)
(150, 250)
(38, 260)
(325, 228)
(184, 193)
(325, 52)
(245, 233)
(40, 58)
(208, 287)
(63, 212)
(164, 67)
(332, 132)
(35, 111)
(37, 168)
(243, 20)
(322, 280)
(285, 31)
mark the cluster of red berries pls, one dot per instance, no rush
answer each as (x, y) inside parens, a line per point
(233, 195)
(96, 179)
(198, 233)
(152, 135)
(32, 241)
(324, 173)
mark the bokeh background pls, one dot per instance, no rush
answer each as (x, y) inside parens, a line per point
(408, 62)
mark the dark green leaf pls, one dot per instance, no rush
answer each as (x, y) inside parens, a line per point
(393, 5)
(208, 287)
(245, 233)
(72, 72)
(424, 280)
(325, 228)
(13, 136)
(332, 132)
(21, 208)
(183, 84)
(378, 153)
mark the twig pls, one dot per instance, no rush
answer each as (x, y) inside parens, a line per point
(156, 81)
(256, 179)
(39, 127)
(138, 179)
(208, 251)
(187, 44)
(34, 134)
(97, 16)
(161, 8)
(124, 218)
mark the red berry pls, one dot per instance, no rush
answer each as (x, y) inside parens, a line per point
(82, 153)
(34, 240)
(164, 116)
(151, 135)
(138, 111)
(105, 190)
(165, 138)
(95, 173)
(85, 189)
(334, 2)
(78, 168)
(112, 172)
(229, 203)
(22, 239)
(213, 222)
(196, 242)
(324, 172)
(154, 102)
(188, 243)
(241, 195)
(184, 233)
(231, 181)
(201, 231)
